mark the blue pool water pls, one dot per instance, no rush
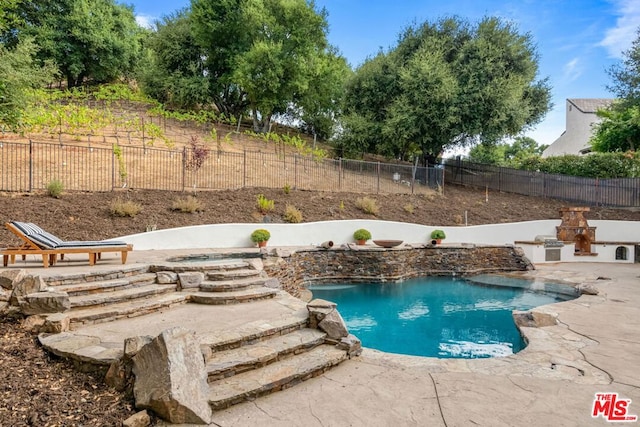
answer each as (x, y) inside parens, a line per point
(440, 316)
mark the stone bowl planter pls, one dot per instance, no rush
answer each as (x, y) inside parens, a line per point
(387, 243)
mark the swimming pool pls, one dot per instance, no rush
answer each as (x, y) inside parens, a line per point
(441, 316)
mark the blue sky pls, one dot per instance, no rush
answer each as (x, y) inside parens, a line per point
(577, 40)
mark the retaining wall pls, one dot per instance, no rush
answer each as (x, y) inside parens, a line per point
(299, 269)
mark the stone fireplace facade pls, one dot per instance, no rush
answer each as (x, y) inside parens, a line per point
(574, 228)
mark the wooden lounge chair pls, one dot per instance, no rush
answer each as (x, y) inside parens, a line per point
(36, 241)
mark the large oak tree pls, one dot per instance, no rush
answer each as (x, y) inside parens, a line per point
(444, 84)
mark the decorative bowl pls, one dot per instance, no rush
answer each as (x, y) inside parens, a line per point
(387, 243)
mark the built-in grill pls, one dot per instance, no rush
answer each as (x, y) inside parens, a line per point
(552, 247)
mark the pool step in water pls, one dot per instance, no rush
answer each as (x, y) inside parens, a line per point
(274, 377)
(226, 363)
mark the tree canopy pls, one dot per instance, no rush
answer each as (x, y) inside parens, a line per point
(98, 40)
(266, 56)
(619, 129)
(443, 85)
(513, 155)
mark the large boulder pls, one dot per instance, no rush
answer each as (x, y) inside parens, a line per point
(9, 277)
(171, 378)
(324, 316)
(45, 302)
(28, 284)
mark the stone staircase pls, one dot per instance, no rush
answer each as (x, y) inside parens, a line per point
(243, 362)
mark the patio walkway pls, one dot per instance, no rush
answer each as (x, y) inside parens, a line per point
(595, 348)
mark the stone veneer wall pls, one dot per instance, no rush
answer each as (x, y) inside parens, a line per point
(302, 268)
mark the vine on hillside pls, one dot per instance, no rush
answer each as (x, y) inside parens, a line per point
(122, 167)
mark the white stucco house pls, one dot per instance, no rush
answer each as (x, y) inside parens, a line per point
(581, 116)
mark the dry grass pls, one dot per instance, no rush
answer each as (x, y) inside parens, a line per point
(292, 215)
(409, 208)
(367, 205)
(124, 208)
(189, 204)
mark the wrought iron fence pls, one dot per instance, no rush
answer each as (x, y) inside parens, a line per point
(31, 166)
(619, 192)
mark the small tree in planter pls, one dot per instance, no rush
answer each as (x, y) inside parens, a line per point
(437, 236)
(260, 236)
(361, 236)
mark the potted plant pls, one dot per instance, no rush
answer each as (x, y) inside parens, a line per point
(361, 236)
(437, 236)
(260, 236)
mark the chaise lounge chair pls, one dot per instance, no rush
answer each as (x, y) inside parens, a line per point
(36, 241)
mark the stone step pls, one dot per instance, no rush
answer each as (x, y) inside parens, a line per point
(274, 377)
(108, 285)
(233, 274)
(233, 297)
(114, 297)
(130, 308)
(97, 275)
(223, 364)
(232, 285)
(204, 266)
(253, 332)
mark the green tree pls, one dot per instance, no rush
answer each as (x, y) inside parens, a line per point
(173, 71)
(262, 54)
(448, 84)
(619, 129)
(626, 76)
(96, 40)
(522, 149)
(19, 74)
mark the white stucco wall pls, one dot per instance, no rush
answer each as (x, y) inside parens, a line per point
(237, 235)
(579, 127)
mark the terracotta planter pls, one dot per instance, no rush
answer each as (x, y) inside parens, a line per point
(262, 244)
(361, 242)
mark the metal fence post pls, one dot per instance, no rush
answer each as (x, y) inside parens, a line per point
(113, 168)
(184, 167)
(295, 171)
(378, 184)
(244, 168)
(340, 173)
(30, 165)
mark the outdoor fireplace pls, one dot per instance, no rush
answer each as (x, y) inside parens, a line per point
(574, 228)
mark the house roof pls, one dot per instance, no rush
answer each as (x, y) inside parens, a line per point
(590, 105)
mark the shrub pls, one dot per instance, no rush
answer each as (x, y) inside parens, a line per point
(408, 208)
(438, 234)
(367, 205)
(292, 214)
(187, 204)
(341, 205)
(362, 234)
(265, 205)
(55, 188)
(286, 189)
(124, 208)
(260, 235)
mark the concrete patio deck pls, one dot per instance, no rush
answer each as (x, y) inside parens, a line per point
(595, 348)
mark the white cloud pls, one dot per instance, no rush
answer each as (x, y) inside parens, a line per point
(145, 21)
(619, 38)
(572, 69)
